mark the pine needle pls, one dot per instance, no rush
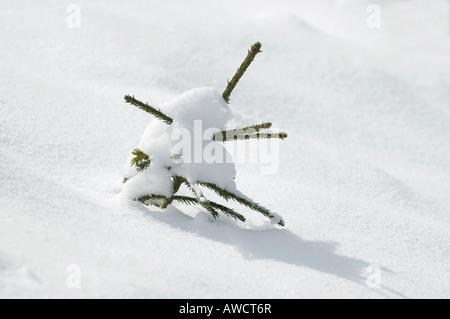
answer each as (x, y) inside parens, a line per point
(228, 195)
(243, 137)
(140, 159)
(146, 198)
(210, 206)
(229, 134)
(186, 200)
(255, 49)
(147, 108)
(227, 211)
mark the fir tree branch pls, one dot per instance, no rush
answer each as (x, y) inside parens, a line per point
(186, 200)
(227, 211)
(140, 159)
(258, 127)
(177, 181)
(207, 205)
(215, 206)
(255, 49)
(227, 195)
(244, 137)
(147, 108)
(204, 203)
(146, 198)
(188, 185)
(222, 136)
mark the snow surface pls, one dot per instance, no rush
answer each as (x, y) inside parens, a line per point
(364, 176)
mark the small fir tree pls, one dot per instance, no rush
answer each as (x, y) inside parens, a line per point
(142, 161)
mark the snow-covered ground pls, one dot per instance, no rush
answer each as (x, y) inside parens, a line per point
(364, 176)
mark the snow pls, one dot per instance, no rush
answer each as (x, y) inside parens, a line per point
(185, 147)
(363, 181)
(205, 104)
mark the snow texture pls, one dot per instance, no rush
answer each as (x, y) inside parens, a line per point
(364, 176)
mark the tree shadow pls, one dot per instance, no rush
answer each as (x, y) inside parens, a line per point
(280, 245)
